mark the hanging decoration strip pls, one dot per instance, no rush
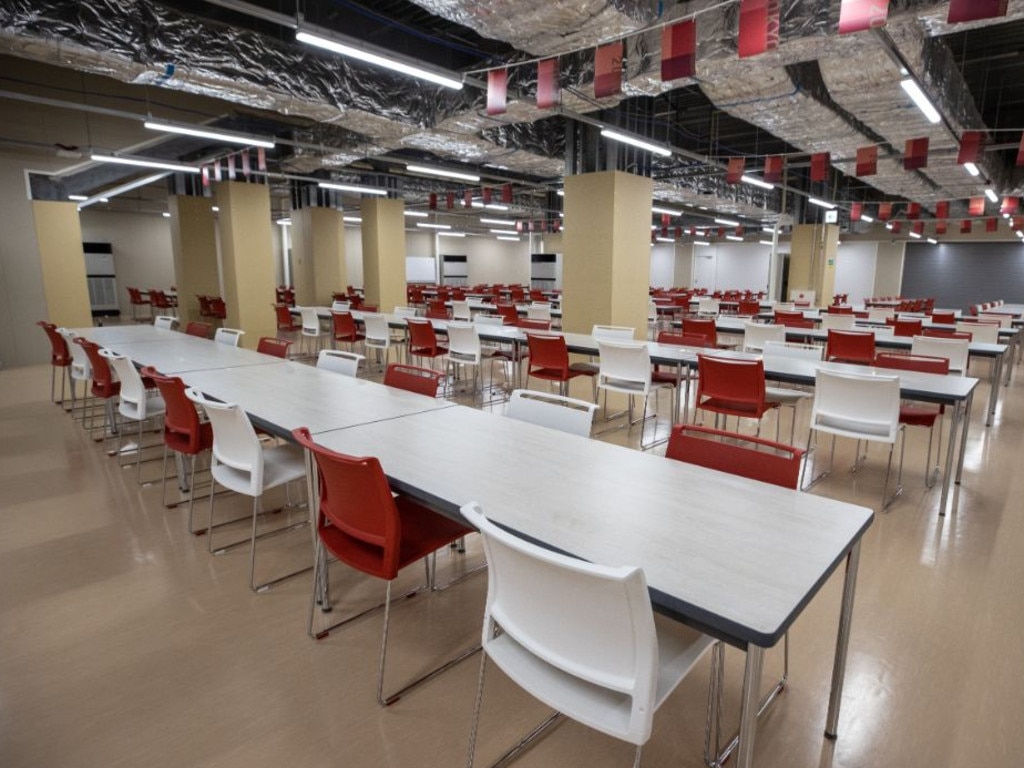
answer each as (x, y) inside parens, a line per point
(679, 51)
(867, 161)
(858, 15)
(758, 27)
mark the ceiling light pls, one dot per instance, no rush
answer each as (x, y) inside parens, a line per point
(765, 242)
(664, 239)
(352, 219)
(701, 242)
(702, 207)
(865, 217)
(501, 231)
(821, 203)
(991, 195)
(914, 92)
(357, 188)
(104, 199)
(166, 215)
(669, 211)
(499, 222)
(1006, 215)
(427, 225)
(354, 51)
(451, 234)
(560, 192)
(206, 133)
(933, 241)
(495, 207)
(143, 162)
(635, 142)
(767, 229)
(888, 226)
(284, 222)
(914, 235)
(78, 198)
(442, 172)
(972, 169)
(215, 209)
(727, 222)
(734, 238)
(106, 194)
(509, 238)
(756, 182)
(417, 214)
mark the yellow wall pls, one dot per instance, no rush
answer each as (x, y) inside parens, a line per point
(812, 260)
(194, 244)
(329, 253)
(59, 235)
(383, 230)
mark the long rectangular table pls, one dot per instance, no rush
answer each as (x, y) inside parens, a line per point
(171, 352)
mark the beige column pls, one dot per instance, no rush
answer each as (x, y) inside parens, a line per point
(318, 255)
(812, 261)
(607, 260)
(194, 245)
(384, 252)
(59, 237)
(247, 258)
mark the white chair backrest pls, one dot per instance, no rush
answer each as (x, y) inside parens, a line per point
(879, 314)
(463, 343)
(489, 320)
(341, 306)
(566, 414)
(619, 332)
(165, 321)
(706, 305)
(460, 310)
(345, 363)
(375, 327)
(229, 336)
(81, 368)
(1005, 321)
(776, 349)
(538, 312)
(838, 322)
(982, 333)
(887, 331)
(405, 311)
(553, 609)
(310, 321)
(133, 400)
(235, 444)
(756, 334)
(857, 405)
(625, 366)
(954, 350)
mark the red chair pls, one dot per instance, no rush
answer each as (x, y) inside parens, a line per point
(790, 317)
(549, 360)
(836, 309)
(160, 300)
(850, 347)
(362, 523)
(908, 328)
(517, 294)
(942, 333)
(286, 321)
(694, 326)
(915, 414)
(423, 340)
(218, 309)
(184, 433)
(751, 457)
(437, 310)
(422, 381)
(136, 299)
(944, 318)
(104, 386)
(729, 386)
(533, 324)
(201, 330)
(749, 307)
(508, 313)
(268, 345)
(60, 357)
(343, 329)
(675, 376)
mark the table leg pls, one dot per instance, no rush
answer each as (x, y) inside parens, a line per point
(963, 438)
(749, 706)
(842, 642)
(993, 398)
(1011, 354)
(947, 474)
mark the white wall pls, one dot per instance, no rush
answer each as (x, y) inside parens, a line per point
(495, 261)
(683, 275)
(889, 269)
(855, 270)
(143, 255)
(728, 266)
(663, 265)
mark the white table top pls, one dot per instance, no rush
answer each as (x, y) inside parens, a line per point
(735, 557)
(178, 353)
(110, 334)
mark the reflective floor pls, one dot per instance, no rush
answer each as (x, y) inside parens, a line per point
(124, 643)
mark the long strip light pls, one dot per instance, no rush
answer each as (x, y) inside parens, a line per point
(417, 214)
(428, 225)
(499, 222)
(933, 241)
(914, 235)
(442, 172)
(451, 234)
(508, 238)
(669, 211)
(765, 242)
(357, 188)
(206, 133)
(991, 195)
(105, 195)
(143, 162)
(665, 239)
(701, 242)
(917, 95)
(972, 169)
(868, 219)
(362, 54)
(821, 203)
(734, 238)
(501, 231)
(635, 142)
(78, 198)
(727, 222)
(756, 182)
(352, 219)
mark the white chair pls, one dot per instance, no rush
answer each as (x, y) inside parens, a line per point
(339, 361)
(537, 311)
(165, 322)
(80, 370)
(341, 306)
(879, 314)
(756, 334)
(981, 333)
(229, 336)
(311, 330)
(786, 396)
(837, 322)
(465, 350)
(625, 368)
(1002, 320)
(378, 336)
(862, 407)
(135, 403)
(613, 332)
(580, 637)
(956, 351)
(405, 311)
(461, 311)
(242, 464)
(566, 414)
(707, 305)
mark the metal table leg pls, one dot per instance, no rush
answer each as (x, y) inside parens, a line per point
(993, 398)
(842, 642)
(749, 707)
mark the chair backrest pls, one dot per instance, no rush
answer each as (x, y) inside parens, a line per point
(200, 330)
(956, 351)
(756, 334)
(411, 378)
(841, 322)
(531, 324)
(461, 311)
(922, 363)
(553, 608)
(944, 317)
(856, 405)
(508, 312)
(310, 321)
(701, 327)
(343, 325)
(751, 457)
(566, 414)
(421, 333)
(777, 349)
(879, 314)
(229, 336)
(619, 332)
(738, 381)
(683, 339)
(81, 367)
(375, 327)
(405, 311)
(268, 345)
(165, 321)
(341, 306)
(60, 354)
(907, 327)
(850, 346)
(624, 365)
(283, 314)
(1002, 320)
(549, 351)
(345, 363)
(982, 333)
(538, 312)
(489, 320)
(707, 305)
(103, 383)
(182, 427)
(235, 443)
(463, 343)
(133, 403)
(748, 307)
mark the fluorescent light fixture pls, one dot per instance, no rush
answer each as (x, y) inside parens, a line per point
(501, 231)
(669, 211)
(355, 52)
(767, 229)
(865, 217)
(914, 235)
(562, 215)
(888, 226)
(702, 207)
(427, 225)
(972, 169)
(105, 195)
(357, 188)
(495, 207)
(143, 162)
(441, 172)
(765, 242)
(560, 192)
(756, 182)
(635, 142)
(991, 195)
(509, 238)
(727, 222)
(734, 238)
(933, 241)
(914, 92)
(209, 133)
(451, 234)
(664, 239)
(352, 219)
(215, 209)
(499, 222)
(78, 198)
(104, 199)
(284, 222)
(1006, 215)
(166, 215)
(476, 204)
(701, 242)
(417, 214)
(821, 203)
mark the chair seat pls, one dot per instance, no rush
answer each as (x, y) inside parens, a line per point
(555, 374)
(281, 464)
(179, 441)
(588, 369)
(784, 396)
(428, 352)
(919, 416)
(733, 407)
(351, 338)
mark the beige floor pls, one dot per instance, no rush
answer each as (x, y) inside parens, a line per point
(123, 643)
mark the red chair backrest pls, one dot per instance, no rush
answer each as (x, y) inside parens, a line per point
(945, 318)
(907, 328)
(508, 313)
(59, 352)
(835, 309)
(103, 383)
(218, 308)
(533, 324)
(195, 328)
(749, 307)
(765, 460)
(548, 351)
(422, 381)
(942, 333)
(284, 317)
(268, 345)
(183, 430)
(344, 326)
(923, 363)
(421, 334)
(693, 326)
(738, 381)
(682, 339)
(790, 318)
(850, 346)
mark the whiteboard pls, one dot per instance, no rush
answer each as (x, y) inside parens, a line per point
(420, 269)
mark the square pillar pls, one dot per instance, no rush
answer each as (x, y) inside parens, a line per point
(318, 255)
(194, 245)
(383, 230)
(62, 259)
(812, 261)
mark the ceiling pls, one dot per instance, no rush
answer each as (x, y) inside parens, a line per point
(82, 76)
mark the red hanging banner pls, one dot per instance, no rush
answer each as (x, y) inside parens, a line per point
(856, 209)
(679, 230)
(913, 210)
(991, 224)
(739, 231)
(916, 154)
(721, 231)
(679, 50)
(735, 172)
(665, 219)
(918, 227)
(245, 163)
(897, 227)
(1020, 152)
(231, 167)
(549, 93)
(884, 211)
(497, 91)
(450, 200)
(942, 209)
(940, 227)
(819, 166)
(965, 227)
(467, 199)
(858, 15)
(977, 206)
(773, 169)
(1010, 205)
(970, 147)
(608, 70)
(486, 194)
(206, 176)
(506, 193)
(972, 10)
(759, 27)
(433, 201)
(261, 158)
(867, 161)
